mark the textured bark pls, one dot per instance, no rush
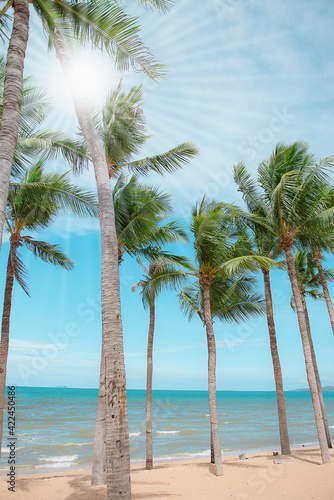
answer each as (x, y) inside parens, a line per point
(316, 373)
(117, 434)
(282, 421)
(149, 440)
(7, 306)
(212, 381)
(12, 100)
(329, 304)
(308, 357)
(99, 452)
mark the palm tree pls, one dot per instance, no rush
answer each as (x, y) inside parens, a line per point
(161, 275)
(140, 211)
(122, 132)
(309, 283)
(33, 203)
(117, 436)
(266, 244)
(107, 25)
(295, 191)
(220, 254)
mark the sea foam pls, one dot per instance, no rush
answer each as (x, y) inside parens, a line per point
(168, 432)
(60, 459)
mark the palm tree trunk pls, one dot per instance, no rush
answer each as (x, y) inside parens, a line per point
(7, 306)
(212, 380)
(308, 357)
(149, 440)
(99, 452)
(117, 433)
(316, 373)
(12, 100)
(282, 421)
(317, 258)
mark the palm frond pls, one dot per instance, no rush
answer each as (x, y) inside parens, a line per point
(164, 163)
(52, 254)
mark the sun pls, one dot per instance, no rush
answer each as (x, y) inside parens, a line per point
(91, 76)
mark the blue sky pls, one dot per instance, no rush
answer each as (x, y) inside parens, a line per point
(242, 76)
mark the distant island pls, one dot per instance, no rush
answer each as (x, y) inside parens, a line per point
(328, 388)
(61, 387)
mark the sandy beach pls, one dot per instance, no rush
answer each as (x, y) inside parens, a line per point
(300, 476)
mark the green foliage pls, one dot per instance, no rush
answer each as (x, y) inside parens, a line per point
(223, 260)
(162, 275)
(103, 24)
(140, 212)
(33, 203)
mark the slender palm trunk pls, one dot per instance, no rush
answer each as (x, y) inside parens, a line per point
(117, 433)
(317, 258)
(149, 440)
(308, 357)
(12, 100)
(212, 380)
(316, 373)
(7, 306)
(99, 452)
(282, 421)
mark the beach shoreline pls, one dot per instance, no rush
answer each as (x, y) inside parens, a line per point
(260, 476)
(191, 457)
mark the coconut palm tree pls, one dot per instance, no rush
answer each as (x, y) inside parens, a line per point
(122, 132)
(295, 191)
(116, 416)
(221, 252)
(106, 25)
(309, 284)
(161, 275)
(265, 243)
(140, 212)
(33, 203)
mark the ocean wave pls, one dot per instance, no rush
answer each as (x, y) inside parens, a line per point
(5, 450)
(168, 432)
(180, 456)
(55, 465)
(75, 444)
(60, 459)
(331, 426)
(134, 434)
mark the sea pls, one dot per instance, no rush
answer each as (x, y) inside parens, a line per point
(54, 427)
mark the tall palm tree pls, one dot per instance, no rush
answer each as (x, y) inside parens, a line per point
(161, 275)
(266, 244)
(106, 25)
(117, 436)
(140, 213)
(295, 191)
(33, 203)
(309, 283)
(122, 132)
(220, 253)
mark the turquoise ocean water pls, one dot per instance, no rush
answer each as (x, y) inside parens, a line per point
(55, 426)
